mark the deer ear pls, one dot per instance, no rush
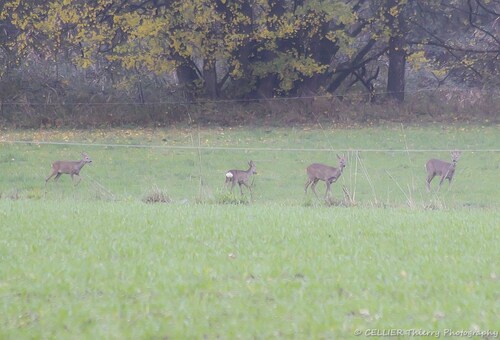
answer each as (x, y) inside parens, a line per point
(338, 156)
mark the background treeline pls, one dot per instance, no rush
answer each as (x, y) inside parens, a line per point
(103, 62)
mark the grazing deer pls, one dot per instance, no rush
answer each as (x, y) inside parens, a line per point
(317, 172)
(241, 177)
(68, 167)
(441, 168)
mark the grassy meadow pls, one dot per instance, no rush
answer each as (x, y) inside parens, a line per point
(171, 160)
(94, 261)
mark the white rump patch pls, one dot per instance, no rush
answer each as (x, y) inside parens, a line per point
(229, 175)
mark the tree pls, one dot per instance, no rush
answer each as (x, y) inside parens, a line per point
(263, 48)
(454, 36)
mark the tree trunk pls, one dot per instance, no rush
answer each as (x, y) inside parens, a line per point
(397, 66)
(186, 76)
(267, 85)
(210, 78)
(243, 83)
(397, 55)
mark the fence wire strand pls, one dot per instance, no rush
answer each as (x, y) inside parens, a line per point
(493, 94)
(236, 148)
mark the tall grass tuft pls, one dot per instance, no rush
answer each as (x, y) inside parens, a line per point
(156, 195)
(226, 197)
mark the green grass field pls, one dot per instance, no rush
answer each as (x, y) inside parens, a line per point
(388, 178)
(94, 261)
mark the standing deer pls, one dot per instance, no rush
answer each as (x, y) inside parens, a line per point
(68, 167)
(441, 168)
(317, 172)
(241, 177)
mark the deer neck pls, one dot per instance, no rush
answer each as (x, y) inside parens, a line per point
(80, 165)
(337, 173)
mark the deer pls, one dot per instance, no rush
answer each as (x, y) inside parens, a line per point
(68, 167)
(321, 172)
(241, 177)
(437, 167)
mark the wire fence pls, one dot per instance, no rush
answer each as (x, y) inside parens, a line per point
(492, 94)
(247, 149)
(373, 176)
(230, 148)
(38, 111)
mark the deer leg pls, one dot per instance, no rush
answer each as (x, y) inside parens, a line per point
(248, 186)
(232, 185)
(50, 176)
(57, 176)
(309, 181)
(328, 183)
(313, 186)
(449, 180)
(241, 189)
(429, 179)
(442, 180)
(79, 179)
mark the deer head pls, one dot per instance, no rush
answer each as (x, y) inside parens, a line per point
(253, 168)
(342, 161)
(86, 158)
(455, 155)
